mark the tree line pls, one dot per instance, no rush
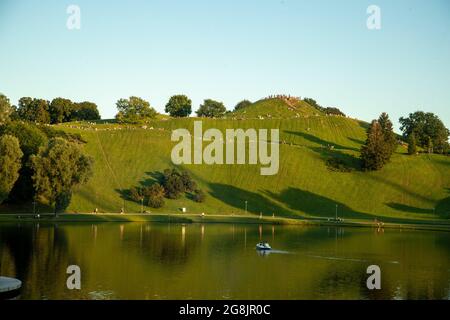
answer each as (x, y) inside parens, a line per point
(419, 130)
(42, 111)
(38, 162)
(138, 110)
(327, 110)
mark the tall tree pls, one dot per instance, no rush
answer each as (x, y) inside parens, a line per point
(30, 140)
(373, 151)
(60, 110)
(388, 133)
(10, 156)
(85, 111)
(59, 168)
(134, 110)
(211, 109)
(33, 110)
(426, 126)
(179, 106)
(5, 109)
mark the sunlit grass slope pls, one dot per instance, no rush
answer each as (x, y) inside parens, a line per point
(277, 108)
(409, 187)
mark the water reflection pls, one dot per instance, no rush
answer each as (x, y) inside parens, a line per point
(148, 261)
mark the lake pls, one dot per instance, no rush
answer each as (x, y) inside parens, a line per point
(219, 261)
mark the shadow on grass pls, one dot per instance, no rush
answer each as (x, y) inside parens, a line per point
(314, 204)
(320, 141)
(360, 142)
(442, 208)
(256, 203)
(348, 161)
(411, 209)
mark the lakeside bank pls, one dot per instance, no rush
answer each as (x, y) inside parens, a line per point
(432, 225)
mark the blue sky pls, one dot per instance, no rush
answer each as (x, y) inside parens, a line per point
(231, 50)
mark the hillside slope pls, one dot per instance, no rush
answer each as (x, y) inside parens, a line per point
(277, 108)
(410, 187)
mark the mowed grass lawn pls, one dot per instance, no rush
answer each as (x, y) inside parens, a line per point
(410, 187)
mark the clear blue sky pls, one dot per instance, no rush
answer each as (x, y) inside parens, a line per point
(229, 50)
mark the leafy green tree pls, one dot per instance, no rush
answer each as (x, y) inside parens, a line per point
(412, 147)
(59, 168)
(30, 140)
(33, 110)
(373, 152)
(155, 195)
(242, 104)
(5, 109)
(388, 133)
(85, 111)
(134, 110)
(10, 156)
(211, 109)
(426, 126)
(60, 110)
(29, 136)
(179, 106)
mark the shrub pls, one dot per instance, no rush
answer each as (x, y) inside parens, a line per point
(199, 196)
(155, 195)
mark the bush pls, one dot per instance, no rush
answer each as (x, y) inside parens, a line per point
(136, 194)
(188, 183)
(155, 195)
(176, 183)
(199, 196)
(173, 184)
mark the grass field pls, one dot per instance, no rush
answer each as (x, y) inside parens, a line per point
(409, 187)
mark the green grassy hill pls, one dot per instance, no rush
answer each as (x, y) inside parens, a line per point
(410, 187)
(276, 108)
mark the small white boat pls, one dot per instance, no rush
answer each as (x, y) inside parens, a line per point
(263, 246)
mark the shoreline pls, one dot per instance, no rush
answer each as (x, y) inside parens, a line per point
(235, 219)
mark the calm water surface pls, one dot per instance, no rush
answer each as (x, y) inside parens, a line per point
(219, 261)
